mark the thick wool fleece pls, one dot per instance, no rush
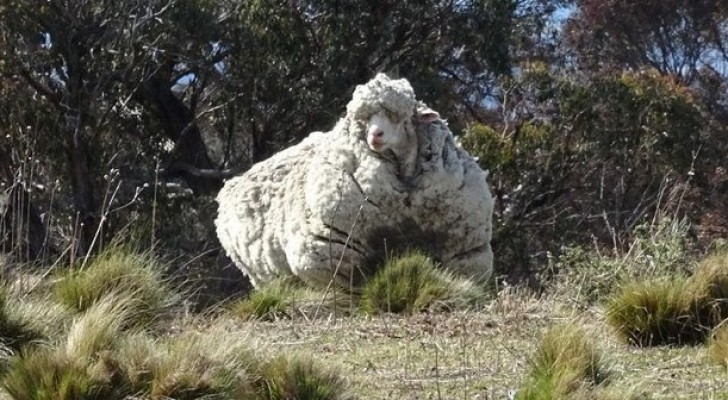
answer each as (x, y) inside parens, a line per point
(331, 208)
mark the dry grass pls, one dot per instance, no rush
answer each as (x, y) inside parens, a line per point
(481, 355)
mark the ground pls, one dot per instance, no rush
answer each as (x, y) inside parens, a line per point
(479, 355)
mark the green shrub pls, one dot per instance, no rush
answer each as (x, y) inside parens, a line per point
(118, 270)
(286, 378)
(565, 363)
(413, 283)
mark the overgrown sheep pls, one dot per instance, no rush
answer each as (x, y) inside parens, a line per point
(388, 177)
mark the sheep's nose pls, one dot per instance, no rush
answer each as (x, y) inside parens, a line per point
(376, 132)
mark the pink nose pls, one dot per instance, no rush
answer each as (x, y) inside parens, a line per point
(376, 132)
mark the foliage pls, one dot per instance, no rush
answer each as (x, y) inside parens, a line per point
(657, 249)
(676, 310)
(413, 283)
(565, 362)
(586, 159)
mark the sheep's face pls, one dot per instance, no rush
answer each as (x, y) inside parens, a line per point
(385, 130)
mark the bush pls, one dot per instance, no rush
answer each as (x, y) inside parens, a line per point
(118, 270)
(565, 363)
(413, 283)
(676, 310)
(656, 250)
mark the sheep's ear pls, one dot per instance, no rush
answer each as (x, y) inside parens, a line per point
(427, 115)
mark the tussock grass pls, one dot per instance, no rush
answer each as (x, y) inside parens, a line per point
(414, 283)
(269, 302)
(75, 368)
(27, 319)
(675, 310)
(118, 270)
(288, 296)
(298, 378)
(718, 347)
(565, 365)
(191, 365)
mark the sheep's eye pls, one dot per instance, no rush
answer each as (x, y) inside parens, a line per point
(392, 116)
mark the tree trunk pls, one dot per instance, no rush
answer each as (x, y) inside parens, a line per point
(180, 126)
(79, 161)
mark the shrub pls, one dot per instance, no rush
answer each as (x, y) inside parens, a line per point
(656, 250)
(118, 270)
(565, 363)
(413, 283)
(296, 378)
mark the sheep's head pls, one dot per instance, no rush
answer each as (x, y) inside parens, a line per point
(383, 106)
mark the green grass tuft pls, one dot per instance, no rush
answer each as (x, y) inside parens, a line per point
(122, 271)
(413, 283)
(27, 319)
(675, 310)
(48, 375)
(269, 302)
(565, 363)
(286, 378)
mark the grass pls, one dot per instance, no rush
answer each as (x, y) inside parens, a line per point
(565, 363)
(119, 270)
(27, 319)
(718, 347)
(674, 310)
(299, 378)
(657, 249)
(414, 283)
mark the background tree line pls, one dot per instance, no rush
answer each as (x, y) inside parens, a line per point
(122, 118)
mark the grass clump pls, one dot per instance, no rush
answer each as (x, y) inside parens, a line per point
(718, 347)
(676, 310)
(297, 378)
(269, 302)
(191, 365)
(27, 319)
(118, 270)
(564, 365)
(413, 283)
(75, 368)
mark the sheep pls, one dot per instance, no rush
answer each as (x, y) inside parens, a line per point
(325, 209)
